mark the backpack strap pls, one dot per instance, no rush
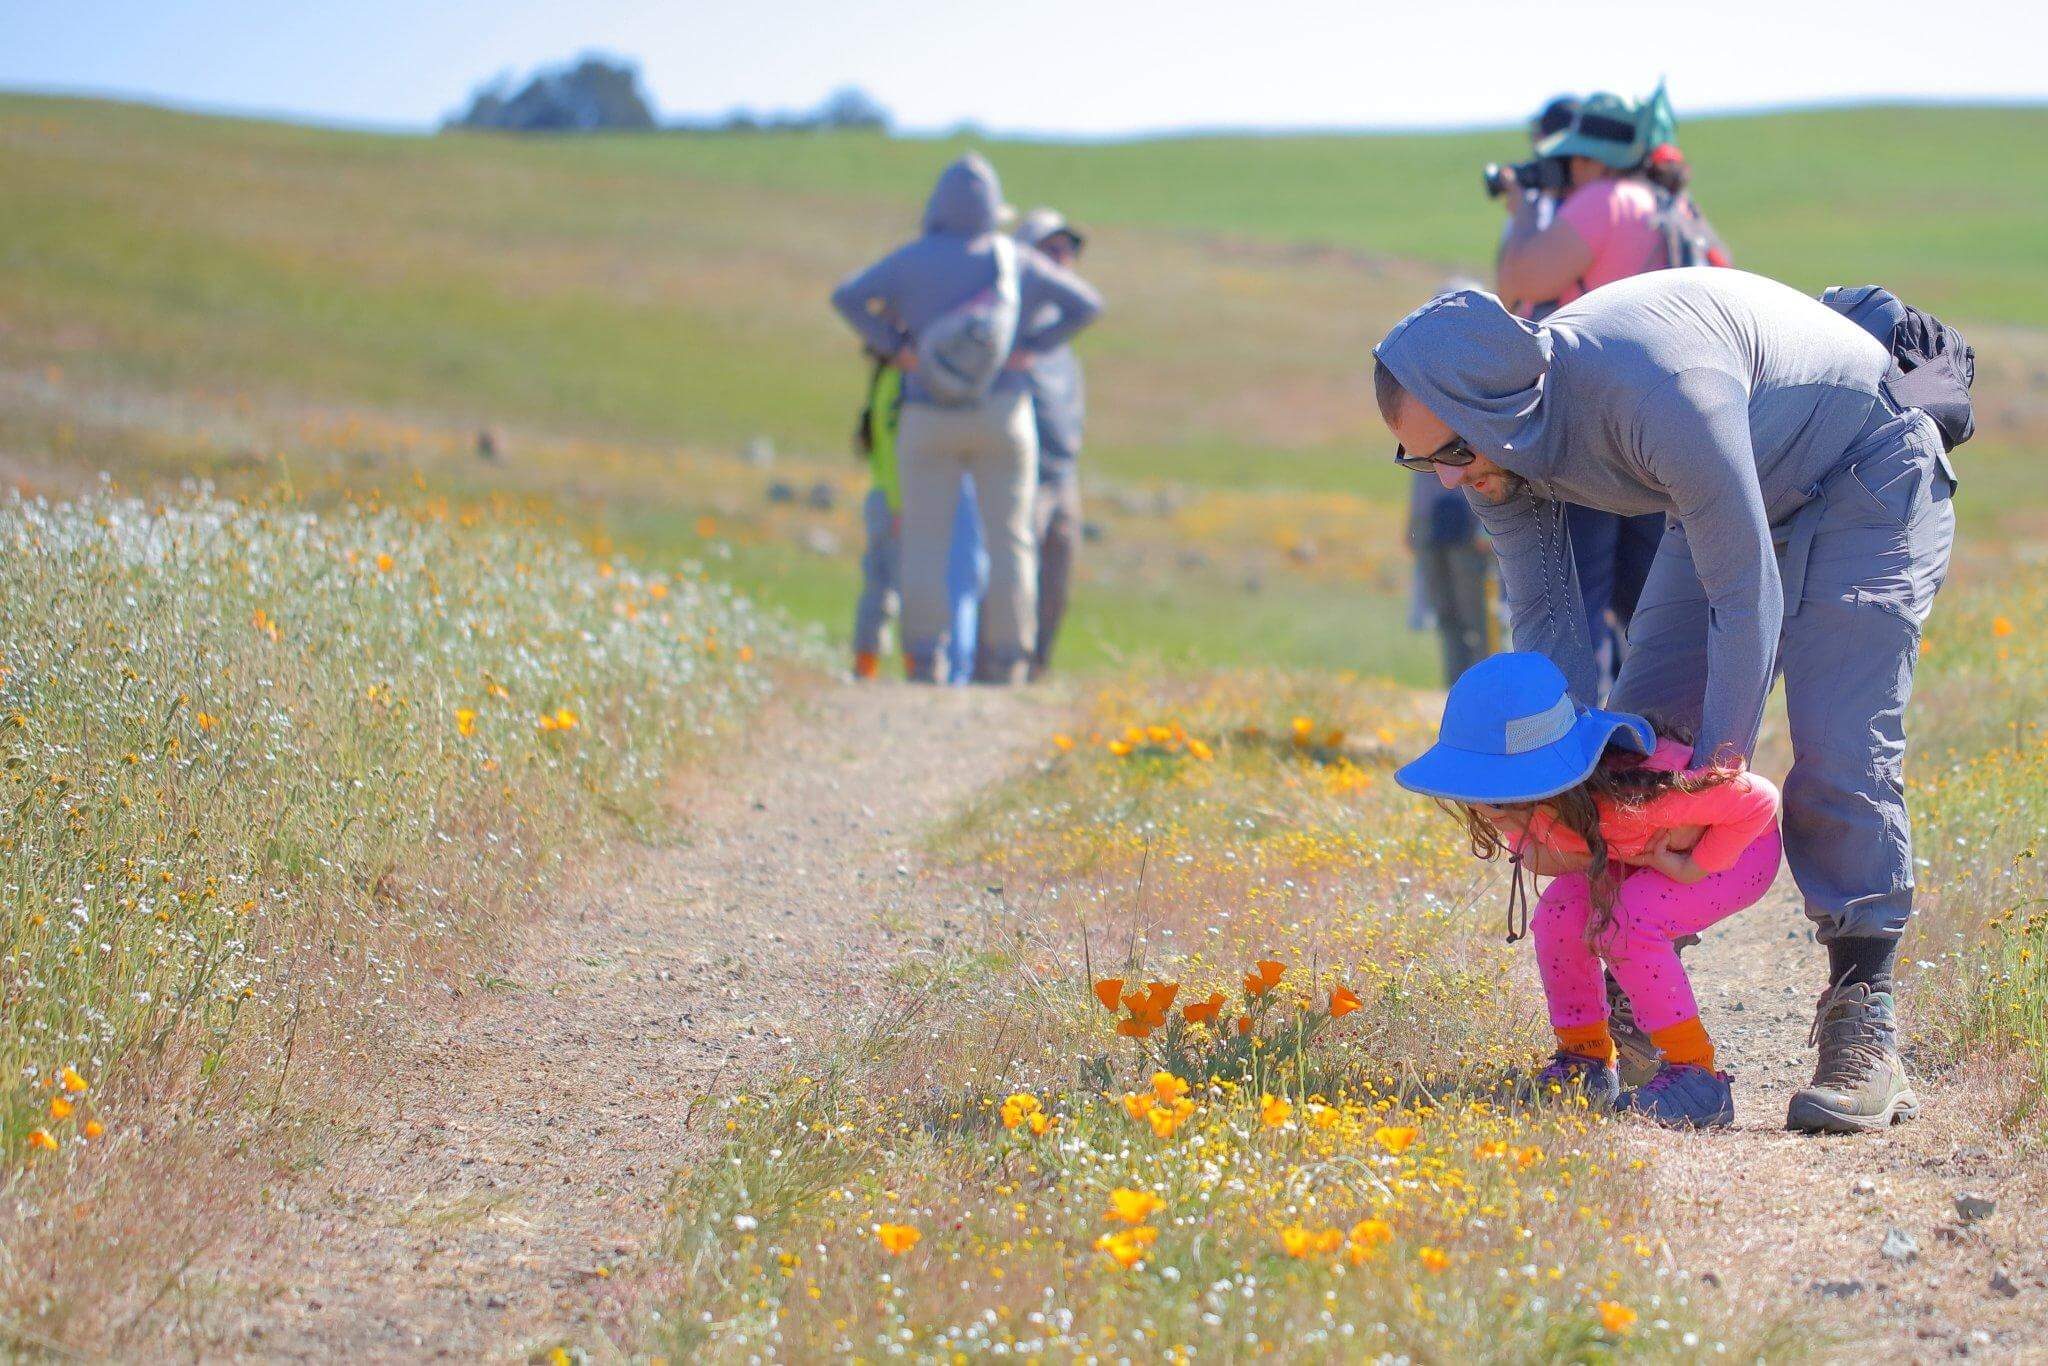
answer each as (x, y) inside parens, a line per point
(1009, 288)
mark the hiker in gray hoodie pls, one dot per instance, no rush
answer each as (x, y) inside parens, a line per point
(1811, 523)
(890, 304)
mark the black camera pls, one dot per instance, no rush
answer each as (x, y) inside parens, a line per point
(1546, 175)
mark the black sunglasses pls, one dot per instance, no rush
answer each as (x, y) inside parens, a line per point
(1607, 129)
(1453, 453)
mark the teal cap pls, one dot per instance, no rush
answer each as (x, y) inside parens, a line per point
(1607, 128)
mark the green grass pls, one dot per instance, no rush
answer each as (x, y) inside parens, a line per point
(1945, 203)
(672, 287)
(666, 295)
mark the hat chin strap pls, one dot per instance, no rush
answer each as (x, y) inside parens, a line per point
(1546, 727)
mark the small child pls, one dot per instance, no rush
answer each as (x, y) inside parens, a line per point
(1642, 849)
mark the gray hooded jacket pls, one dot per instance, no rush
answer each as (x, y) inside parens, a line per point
(891, 302)
(1715, 396)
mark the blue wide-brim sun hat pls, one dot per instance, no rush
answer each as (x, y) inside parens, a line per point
(1512, 733)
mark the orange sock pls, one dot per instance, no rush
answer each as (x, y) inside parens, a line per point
(1587, 1041)
(1685, 1042)
(866, 665)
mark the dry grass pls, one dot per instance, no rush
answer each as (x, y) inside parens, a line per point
(1978, 782)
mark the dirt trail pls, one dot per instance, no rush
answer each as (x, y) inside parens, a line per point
(512, 1194)
(1778, 1217)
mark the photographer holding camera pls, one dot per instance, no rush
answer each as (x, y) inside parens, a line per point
(1603, 199)
(1607, 222)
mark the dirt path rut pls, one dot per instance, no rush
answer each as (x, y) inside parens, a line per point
(511, 1194)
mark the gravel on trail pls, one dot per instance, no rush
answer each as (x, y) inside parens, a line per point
(1864, 1231)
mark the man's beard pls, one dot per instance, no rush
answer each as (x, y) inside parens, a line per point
(1511, 486)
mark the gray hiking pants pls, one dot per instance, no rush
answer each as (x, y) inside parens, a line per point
(1861, 563)
(1058, 523)
(878, 573)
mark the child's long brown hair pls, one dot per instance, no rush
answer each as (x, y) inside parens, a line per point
(1620, 777)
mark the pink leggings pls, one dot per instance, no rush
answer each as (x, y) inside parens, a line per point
(1650, 911)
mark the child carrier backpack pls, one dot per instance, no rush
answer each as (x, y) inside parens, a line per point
(960, 354)
(1933, 366)
(1689, 239)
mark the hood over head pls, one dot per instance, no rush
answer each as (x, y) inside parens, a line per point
(967, 200)
(1481, 370)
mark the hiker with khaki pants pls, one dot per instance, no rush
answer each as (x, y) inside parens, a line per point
(966, 310)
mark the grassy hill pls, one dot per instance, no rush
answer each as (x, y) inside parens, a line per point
(664, 297)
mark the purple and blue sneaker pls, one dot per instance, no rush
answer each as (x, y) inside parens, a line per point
(1570, 1076)
(1684, 1096)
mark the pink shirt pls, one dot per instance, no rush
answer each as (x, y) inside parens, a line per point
(1734, 813)
(1618, 220)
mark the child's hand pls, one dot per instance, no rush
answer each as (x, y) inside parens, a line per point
(1681, 837)
(1678, 865)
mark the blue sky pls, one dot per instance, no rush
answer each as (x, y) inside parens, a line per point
(1064, 66)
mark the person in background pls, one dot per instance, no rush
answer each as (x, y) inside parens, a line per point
(1597, 215)
(1059, 407)
(967, 567)
(1453, 563)
(959, 280)
(880, 562)
(1538, 206)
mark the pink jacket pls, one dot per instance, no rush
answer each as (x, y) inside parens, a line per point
(1735, 814)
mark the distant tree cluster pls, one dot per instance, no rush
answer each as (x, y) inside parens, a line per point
(585, 96)
(596, 94)
(847, 108)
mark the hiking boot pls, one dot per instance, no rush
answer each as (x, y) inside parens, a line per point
(1860, 1082)
(1570, 1076)
(1684, 1096)
(1635, 1056)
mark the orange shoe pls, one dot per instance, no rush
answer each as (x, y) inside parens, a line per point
(867, 666)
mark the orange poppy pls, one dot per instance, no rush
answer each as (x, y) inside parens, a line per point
(1204, 1012)
(1109, 991)
(1265, 979)
(1342, 1002)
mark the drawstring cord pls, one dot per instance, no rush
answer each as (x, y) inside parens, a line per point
(1518, 898)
